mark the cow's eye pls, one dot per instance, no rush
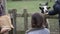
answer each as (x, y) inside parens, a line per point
(42, 8)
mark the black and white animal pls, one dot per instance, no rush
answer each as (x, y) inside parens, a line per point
(44, 9)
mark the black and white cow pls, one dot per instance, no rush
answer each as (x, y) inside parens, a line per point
(44, 9)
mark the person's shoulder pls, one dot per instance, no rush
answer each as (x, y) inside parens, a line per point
(57, 6)
(28, 30)
(46, 29)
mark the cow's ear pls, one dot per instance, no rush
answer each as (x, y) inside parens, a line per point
(39, 4)
(46, 3)
(40, 7)
(48, 7)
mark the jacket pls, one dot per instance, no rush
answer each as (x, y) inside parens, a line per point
(38, 31)
(56, 9)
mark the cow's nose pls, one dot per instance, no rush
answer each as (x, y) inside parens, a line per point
(46, 11)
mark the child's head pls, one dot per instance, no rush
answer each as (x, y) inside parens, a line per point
(38, 20)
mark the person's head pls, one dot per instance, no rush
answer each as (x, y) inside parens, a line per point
(57, 1)
(37, 20)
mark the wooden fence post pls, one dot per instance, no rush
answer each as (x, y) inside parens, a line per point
(59, 27)
(11, 15)
(25, 19)
(13, 19)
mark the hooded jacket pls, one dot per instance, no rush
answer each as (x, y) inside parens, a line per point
(56, 9)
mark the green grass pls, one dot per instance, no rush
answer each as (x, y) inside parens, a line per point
(20, 32)
(31, 6)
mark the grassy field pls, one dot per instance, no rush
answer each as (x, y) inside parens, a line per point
(32, 7)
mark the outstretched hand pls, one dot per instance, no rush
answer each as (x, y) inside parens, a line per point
(46, 15)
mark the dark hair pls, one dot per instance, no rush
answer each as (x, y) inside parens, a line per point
(38, 20)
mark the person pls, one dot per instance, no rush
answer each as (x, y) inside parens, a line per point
(38, 25)
(5, 21)
(56, 10)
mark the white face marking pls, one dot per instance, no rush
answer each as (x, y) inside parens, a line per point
(45, 9)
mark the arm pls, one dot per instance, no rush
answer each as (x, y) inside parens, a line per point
(55, 10)
(52, 12)
(6, 24)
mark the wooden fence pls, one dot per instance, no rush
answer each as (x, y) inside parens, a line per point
(14, 14)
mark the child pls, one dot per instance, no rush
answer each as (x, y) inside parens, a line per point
(38, 25)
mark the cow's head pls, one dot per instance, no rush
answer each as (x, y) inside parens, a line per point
(44, 8)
